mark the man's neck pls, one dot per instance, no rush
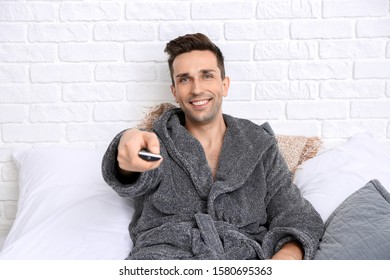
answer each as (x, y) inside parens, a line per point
(208, 134)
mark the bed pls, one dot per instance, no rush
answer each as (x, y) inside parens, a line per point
(66, 210)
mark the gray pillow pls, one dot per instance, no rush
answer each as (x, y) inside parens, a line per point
(359, 229)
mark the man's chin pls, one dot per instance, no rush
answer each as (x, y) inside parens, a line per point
(201, 118)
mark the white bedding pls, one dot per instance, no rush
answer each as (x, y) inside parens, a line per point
(65, 209)
(329, 178)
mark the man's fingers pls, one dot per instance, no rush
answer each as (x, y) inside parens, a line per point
(132, 141)
(151, 142)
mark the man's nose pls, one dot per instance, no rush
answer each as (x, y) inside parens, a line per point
(196, 87)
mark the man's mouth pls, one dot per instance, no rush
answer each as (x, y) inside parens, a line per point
(200, 102)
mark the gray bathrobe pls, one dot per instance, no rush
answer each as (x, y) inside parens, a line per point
(248, 211)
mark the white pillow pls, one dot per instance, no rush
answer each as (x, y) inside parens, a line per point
(65, 209)
(329, 178)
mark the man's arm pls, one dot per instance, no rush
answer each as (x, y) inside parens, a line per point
(289, 251)
(290, 216)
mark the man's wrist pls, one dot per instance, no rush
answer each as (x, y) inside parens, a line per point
(126, 177)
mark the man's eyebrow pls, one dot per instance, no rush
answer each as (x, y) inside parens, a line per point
(203, 71)
(207, 71)
(182, 75)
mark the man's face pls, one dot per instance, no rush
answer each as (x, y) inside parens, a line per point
(199, 88)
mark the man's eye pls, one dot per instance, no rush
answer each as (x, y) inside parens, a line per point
(208, 76)
(183, 80)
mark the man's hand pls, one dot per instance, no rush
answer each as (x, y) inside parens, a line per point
(289, 251)
(131, 142)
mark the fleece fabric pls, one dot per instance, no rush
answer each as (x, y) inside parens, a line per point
(248, 211)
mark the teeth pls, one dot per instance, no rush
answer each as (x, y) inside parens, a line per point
(200, 103)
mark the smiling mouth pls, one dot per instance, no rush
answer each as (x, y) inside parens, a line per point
(200, 104)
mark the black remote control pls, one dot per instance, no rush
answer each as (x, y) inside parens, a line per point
(148, 156)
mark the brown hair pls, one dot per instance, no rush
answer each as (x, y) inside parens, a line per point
(191, 42)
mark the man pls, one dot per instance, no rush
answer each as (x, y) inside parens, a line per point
(222, 189)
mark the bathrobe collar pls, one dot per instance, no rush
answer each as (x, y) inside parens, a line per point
(241, 152)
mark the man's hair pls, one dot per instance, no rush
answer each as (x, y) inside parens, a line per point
(192, 42)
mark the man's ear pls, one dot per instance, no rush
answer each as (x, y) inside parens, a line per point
(226, 85)
(173, 90)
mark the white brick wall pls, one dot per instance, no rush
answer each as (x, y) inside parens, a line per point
(77, 72)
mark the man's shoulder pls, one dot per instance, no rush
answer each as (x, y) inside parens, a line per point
(267, 128)
(250, 127)
(254, 138)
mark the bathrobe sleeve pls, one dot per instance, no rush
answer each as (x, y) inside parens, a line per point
(110, 171)
(290, 216)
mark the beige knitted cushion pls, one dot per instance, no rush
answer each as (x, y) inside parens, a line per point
(295, 149)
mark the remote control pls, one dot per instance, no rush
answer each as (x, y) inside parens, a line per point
(148, 156)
